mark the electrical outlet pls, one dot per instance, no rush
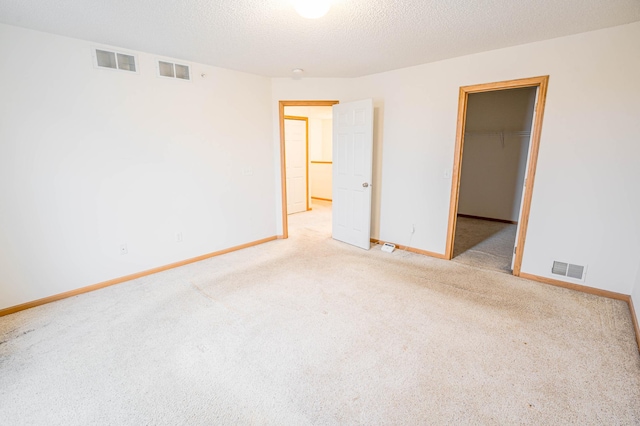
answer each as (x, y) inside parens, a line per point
(178, 237)
(123, 249)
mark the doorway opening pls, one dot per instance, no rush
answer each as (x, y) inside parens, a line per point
(306, 164)
(497, 143)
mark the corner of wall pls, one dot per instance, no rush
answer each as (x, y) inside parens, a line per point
(634, 305)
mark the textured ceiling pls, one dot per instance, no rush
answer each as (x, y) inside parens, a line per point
(356, 37)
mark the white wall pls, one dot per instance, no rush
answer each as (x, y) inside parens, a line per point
(322, 178)
(494, 166)
(585, 201)
(322, 173)
(91, 159)
(315, 140)
(327, 140)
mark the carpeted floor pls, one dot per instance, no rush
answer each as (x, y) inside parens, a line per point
(312, 331)
(484, 244)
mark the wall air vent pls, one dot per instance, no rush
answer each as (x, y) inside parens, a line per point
(575, 271)
(171, 70)
(568, 270)
(560, 268)
(114, 60)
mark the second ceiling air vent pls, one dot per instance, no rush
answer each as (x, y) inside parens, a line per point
(172, 70)
(114, 60)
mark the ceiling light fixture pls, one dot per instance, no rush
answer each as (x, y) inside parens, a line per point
(312, 9)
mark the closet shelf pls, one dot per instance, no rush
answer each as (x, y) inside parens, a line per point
(500, 134)
(505, 133)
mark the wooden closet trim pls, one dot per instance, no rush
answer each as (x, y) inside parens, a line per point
(541, 83)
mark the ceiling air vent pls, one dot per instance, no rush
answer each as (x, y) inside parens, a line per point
(568, 270)
(114, 60)
(171, 70)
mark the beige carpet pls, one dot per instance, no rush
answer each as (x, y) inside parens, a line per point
(312, 331)
(484, 244)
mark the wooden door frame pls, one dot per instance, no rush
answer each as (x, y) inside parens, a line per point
(283, 171)
(306, 151)
(541, 83)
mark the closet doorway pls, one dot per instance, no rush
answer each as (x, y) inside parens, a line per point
(497, 142)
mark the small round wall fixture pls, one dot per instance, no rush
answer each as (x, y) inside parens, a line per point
(312, 9)
(297, 73)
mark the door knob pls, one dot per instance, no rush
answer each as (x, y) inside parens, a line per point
(364, 185)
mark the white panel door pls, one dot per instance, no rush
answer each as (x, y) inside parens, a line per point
(352, 172)
(295, 144)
